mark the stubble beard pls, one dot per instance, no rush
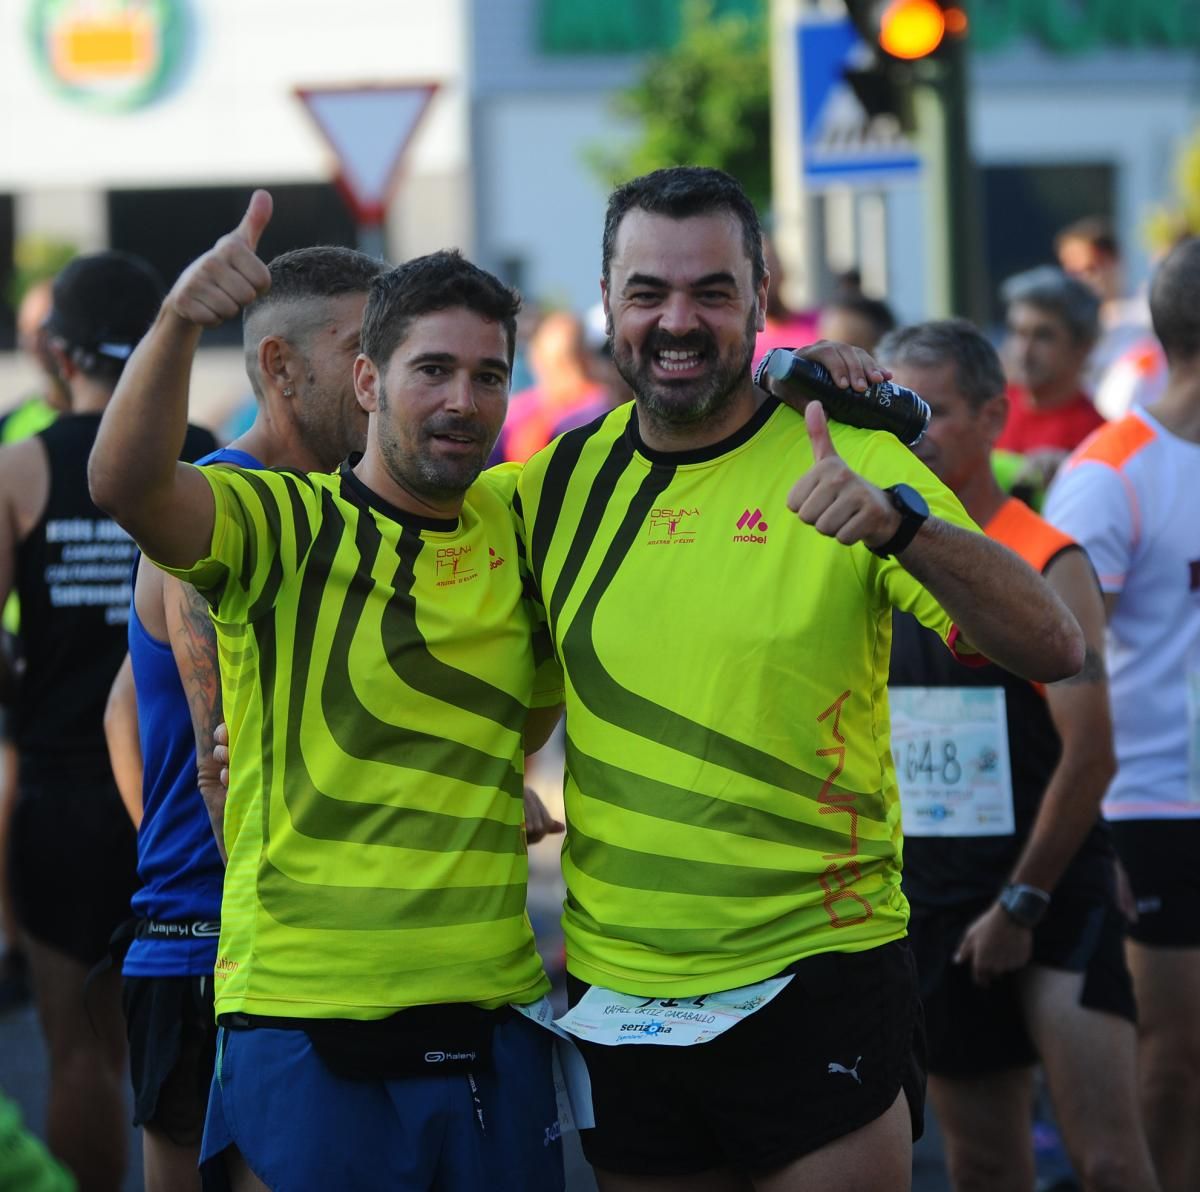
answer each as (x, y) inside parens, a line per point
(687, 403)
(422, 473)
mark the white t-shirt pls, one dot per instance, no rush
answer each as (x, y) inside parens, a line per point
(1130, 495)
(1136, 377)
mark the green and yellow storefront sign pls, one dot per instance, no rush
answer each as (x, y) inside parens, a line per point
(110, 54)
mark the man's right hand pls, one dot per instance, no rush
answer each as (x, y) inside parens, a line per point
(227, 277)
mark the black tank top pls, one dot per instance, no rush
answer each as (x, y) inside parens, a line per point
(946, 871)
(73, 579)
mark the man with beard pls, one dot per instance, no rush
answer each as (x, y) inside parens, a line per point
(377, 673)
(733, 849)
(301, 340)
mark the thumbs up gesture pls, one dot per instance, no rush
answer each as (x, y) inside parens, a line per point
(230, 275)
(836, 501)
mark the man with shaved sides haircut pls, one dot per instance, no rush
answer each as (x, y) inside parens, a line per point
(301, 340)
(1130, 495)
(378, 671)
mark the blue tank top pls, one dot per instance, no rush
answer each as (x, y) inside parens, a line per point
(178, 862)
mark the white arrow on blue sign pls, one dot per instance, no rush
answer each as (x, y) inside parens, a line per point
(842, 144)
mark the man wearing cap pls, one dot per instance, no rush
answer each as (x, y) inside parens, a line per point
(72, 856)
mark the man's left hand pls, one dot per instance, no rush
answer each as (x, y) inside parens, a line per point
(850, 367)
(994, 945)
(835, 500)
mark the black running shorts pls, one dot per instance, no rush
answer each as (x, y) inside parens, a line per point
(974, 1030)
(172, 1048)
(1160, 857)
(828, 1055)
(72, 859)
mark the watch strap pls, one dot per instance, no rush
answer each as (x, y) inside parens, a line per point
(1025, 905)
(910, 523)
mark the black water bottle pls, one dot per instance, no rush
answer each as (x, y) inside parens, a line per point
(884, 406)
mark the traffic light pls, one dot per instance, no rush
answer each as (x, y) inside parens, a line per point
(903, 38)
(908, 30)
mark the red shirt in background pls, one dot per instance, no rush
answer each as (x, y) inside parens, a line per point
(796, 331)
(1029, 428)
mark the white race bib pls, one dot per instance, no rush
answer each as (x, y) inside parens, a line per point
(604, 1016)
(950, 746)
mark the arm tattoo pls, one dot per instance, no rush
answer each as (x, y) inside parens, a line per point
(194, 642)
(1092, 671)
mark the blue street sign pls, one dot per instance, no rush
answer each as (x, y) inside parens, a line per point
(842, 144)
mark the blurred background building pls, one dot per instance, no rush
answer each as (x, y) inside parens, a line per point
(143, 124)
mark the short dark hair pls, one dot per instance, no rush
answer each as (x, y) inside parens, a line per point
(1095, 230)
(876, 312)
(979, 375)
(439, 281)
(1175, 301)
(300, 281)
(679, 192)
(323, 271)
(101, 306)
(1050, 289)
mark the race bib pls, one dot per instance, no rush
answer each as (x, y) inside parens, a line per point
(614, 1019)
(950, 746)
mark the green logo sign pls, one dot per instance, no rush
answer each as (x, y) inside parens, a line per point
(116, 55)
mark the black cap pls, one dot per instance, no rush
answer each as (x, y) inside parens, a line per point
(104, 303)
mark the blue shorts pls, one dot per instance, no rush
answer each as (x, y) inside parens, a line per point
(300, 1127)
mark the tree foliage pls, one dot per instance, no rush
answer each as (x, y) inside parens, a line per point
(705, 102)
(1171, 222)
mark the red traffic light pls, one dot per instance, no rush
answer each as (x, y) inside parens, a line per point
(911, 29)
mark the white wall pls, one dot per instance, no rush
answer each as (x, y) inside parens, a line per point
(1138, 131)
(542, 202)
(232, 117)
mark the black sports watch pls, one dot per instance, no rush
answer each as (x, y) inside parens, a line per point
(1025, 905)
(914, 512)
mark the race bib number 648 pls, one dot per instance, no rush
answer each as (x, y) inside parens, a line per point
(950, 748)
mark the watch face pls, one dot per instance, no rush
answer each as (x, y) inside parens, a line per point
(910, 501)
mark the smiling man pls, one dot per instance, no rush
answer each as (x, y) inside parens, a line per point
(377, 672)
(733, 826)
(301, 340)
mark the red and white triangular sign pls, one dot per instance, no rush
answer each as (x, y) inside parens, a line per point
(369, 127)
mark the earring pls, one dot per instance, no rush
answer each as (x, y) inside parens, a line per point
(288, 391)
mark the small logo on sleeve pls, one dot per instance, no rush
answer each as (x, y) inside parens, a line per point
(752, 527)
(494, 560)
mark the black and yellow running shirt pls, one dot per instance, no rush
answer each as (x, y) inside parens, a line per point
(730, 797)
(376, 671)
